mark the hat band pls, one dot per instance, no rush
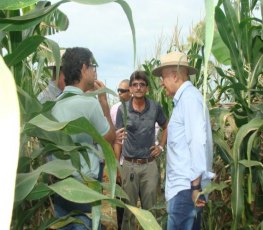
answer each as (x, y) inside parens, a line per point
(175, 63)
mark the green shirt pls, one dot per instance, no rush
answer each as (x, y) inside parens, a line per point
(79, 105)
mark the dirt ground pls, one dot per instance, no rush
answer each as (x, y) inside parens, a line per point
(109, 219)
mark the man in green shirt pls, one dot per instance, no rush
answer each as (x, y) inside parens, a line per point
(80, 75)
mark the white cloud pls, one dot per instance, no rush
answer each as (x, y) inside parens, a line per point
(105, 30)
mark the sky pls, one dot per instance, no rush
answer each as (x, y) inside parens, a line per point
(105, 30)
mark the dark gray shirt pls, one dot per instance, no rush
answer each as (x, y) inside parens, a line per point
(140, 128)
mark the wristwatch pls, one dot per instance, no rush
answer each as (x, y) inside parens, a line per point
(161, 147)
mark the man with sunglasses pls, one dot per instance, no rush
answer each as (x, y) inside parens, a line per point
(124, 95)
(139, 169)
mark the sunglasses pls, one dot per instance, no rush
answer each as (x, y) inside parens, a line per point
(119, 90)
(136, 84)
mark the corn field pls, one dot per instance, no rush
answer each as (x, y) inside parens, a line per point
(226, 48)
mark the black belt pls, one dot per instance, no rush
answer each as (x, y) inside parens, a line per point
(139, 160)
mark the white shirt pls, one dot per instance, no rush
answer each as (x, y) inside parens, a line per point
(189, 142)
(113, 112)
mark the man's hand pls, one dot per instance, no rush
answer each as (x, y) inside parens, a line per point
(199, 203)
(121, 134)
(156, 150)
(98, 85)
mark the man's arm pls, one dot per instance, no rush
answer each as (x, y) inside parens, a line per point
(164, 135)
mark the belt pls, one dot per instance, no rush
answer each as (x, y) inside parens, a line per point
(139, 160)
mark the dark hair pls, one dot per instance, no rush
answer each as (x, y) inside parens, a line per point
(139, 75)
(72, 62)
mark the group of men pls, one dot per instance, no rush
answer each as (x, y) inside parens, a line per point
(186, 136)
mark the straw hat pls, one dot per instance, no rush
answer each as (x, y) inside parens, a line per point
(52, 63)
(174, 59)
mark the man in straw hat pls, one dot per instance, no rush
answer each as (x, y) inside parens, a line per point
(189, 144)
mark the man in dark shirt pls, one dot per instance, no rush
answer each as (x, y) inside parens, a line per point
(139, 170)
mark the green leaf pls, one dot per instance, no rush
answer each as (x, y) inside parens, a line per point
(29, 20)
(209, 34)
(29, 106)
(253, 125)
(119, 192)
(250, 197)
(81, 125)
(231, 16)
(237, 199)
(75, 191)
(46, 124)
(93, 2)
(145, 218)
(15, 5)
(227, 36)
(99, 91)
(56, 54)
(128, 12)
(26, 181)
(214, 186)
(75, 159)
(250, 163)
(224, 147)
(41, 190)
(25, 48)
(220, 50)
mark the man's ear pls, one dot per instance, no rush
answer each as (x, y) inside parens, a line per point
(83, 69)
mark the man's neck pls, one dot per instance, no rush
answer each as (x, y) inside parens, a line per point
(138, 104)
(79, 85)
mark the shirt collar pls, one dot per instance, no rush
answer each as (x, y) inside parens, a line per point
(180, 91)
(72, 89)
(147, 105)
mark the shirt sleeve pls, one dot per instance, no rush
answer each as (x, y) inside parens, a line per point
(119, 118)
(161, 119)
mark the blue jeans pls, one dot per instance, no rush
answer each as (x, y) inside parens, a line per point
(182, 214)
(63, 207)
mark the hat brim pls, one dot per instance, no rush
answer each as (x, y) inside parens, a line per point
(158, 71)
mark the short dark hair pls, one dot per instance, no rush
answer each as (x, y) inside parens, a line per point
(139, 75)
(72, 62)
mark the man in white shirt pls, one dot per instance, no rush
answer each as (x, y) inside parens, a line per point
(124, 95)
(189, 144)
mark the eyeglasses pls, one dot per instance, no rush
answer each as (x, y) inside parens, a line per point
(119, 90)
(136, 84)
(94, 67)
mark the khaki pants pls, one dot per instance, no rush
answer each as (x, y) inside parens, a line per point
(139, 181)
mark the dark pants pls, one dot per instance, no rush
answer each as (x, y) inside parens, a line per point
(64, 207)
(119, 212)
(182, 214)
